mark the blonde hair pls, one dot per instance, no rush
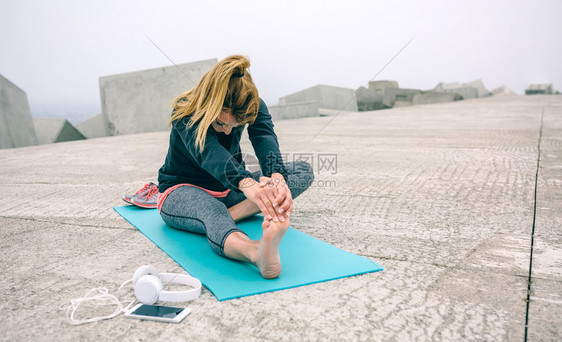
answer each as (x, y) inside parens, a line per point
(228, 85)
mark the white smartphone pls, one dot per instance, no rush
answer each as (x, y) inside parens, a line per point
(158, 313)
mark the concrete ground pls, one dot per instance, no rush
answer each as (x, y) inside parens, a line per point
(442, 196)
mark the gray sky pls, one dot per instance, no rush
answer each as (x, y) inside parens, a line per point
(56, 50)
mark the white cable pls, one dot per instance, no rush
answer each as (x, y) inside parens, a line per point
(99, 296)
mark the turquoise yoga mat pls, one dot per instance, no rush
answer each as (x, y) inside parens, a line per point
(304, 259)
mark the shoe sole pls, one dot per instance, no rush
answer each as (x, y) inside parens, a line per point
(144, 205)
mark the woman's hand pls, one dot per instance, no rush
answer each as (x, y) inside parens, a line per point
(283, 202)
(263, 196)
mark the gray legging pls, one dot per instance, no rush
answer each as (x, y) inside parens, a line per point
(194, 210)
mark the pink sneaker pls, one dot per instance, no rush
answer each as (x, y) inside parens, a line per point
(149, 200)
(142, 192)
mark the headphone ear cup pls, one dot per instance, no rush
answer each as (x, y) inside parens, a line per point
(144, 270)
(148, 288)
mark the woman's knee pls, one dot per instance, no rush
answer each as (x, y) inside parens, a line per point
(196, 226)
(304, 167)
(192, 209)
(188, 224)
(300, 177)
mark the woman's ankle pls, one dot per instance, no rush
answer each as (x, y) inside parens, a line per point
(238, 246)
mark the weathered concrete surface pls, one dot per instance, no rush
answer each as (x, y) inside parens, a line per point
(16, 125)
(546, 299)
(140, 101)
(440, 195)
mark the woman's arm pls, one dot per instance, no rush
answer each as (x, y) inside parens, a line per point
(266, 146)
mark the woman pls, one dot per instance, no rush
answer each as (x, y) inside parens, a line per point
(203, 184)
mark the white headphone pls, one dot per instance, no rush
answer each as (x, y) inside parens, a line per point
(149, 288)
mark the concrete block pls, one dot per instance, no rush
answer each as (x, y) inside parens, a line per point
(403, 104)
(442, 86)
(503, 91)
(388, 100)
(542, 88)
(328, 97)
(94, 127)
(381, 86)
(16, 124)
(294, 110)
(479, 85)
(141, 101)
(467, 90)
(403, 95)
(52, 130)
(435, 97)
(369, 99)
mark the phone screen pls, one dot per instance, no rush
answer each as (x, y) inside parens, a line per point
(157, 311)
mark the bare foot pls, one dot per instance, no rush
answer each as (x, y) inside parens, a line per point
(267, 256)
